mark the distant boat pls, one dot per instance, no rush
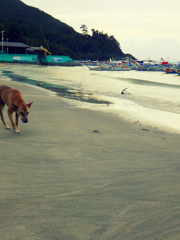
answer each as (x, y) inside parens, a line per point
(120, 68)
(108, 67)
(178, 72)
(170, 70)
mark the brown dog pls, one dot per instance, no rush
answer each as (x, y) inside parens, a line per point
(14, 100)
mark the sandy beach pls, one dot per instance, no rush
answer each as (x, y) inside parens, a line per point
(76, 174)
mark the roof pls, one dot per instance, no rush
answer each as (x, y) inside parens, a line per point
(14, 44)
(31, 49)
(41, 48)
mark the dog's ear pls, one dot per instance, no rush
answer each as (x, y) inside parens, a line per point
(15, 107)
(29, 104)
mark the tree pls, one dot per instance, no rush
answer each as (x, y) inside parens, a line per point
(84, 29)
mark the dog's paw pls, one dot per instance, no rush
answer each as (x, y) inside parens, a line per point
(17, 131)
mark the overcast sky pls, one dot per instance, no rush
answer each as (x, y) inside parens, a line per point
(144, 28)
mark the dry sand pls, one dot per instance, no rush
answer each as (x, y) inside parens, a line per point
(60, 179)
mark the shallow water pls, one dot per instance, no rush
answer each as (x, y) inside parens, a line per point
(154, 97)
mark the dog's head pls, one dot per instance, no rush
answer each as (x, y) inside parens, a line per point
(23, 111)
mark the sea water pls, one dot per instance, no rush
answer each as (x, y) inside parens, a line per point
(152, 98)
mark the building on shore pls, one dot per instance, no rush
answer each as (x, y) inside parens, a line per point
(17, 52)
(13, 47)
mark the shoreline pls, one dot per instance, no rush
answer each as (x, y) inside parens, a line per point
(81, 174)
(122, 107)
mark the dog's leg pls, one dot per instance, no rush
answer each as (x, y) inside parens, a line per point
(17, 119)
(2, 117)
(16, 130)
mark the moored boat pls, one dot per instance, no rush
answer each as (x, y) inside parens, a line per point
(170, 70)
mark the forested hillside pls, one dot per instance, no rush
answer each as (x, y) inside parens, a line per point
(34, 27)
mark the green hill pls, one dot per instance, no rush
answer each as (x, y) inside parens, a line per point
(34, 27)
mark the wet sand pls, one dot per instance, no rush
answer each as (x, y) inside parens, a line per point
(79, 174)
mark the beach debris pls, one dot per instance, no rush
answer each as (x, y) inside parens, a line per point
(145, 129)
(138, 122)
(124, 91)
(96, 131)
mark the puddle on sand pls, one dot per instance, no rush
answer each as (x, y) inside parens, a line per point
(60, 90)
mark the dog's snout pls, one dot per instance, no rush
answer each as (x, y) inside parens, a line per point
(25, 120)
